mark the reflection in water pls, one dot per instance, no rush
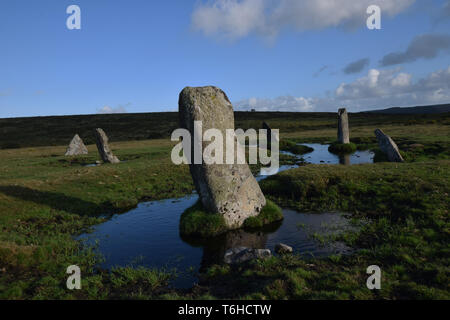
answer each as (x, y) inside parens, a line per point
(149, 236)
(214, 249)
(344, 159)
(322, 155)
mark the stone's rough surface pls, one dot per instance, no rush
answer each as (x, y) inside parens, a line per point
(243, 254)
(76, 147)
(230, 190)
(103, 147)
(343, 131)
(388, 146)
(282, 248)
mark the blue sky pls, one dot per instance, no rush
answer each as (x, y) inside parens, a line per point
(137, 55)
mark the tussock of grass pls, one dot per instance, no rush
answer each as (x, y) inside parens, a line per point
(291, 146)
(269, 214)
(341, 148)
(195, 221)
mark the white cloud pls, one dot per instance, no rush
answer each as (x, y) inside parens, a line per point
(108, 109)
(234, 19)
(377, 90)
(401, 80)
(282, 103)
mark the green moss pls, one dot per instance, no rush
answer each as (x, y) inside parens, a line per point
(195, 221)
(291, 146)
(341, 148)
(269, 214)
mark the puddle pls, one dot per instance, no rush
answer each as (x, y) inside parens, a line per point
(321, 155)
(149, 236)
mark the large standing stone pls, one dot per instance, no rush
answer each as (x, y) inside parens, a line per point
(106, 154)
(343, 131)
(76, 147)
(388, 146)
(227, 189)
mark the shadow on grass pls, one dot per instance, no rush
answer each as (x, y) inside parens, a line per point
(56, 200)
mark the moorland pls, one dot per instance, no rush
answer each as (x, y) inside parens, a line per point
(47, 199)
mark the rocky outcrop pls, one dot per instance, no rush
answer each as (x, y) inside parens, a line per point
(388, 146)
(243, 254)
(106, 154)
(76, 147)
(343, 131)
(227, 189)
(282, 248)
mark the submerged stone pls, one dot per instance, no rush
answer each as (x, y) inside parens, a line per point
(282, 248)
(243, 254)
(227, 189)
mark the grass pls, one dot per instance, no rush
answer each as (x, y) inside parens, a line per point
(269, 214)
(404, 208)
(46, 199)
(293, 147)
(342, 148)
(195, 221)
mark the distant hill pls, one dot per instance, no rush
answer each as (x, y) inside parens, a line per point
(440, 108)
(59, 130)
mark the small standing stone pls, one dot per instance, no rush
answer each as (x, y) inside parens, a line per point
(76, 147)
(343, 131)
(103, 147)
(282, 248)
(388, 146)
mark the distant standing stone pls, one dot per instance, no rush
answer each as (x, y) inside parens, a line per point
(76, 147)
(243, 254)
(343, 131)
(282, 248)
(106, 154)
(388, 146)
(227, 189)
(270, 134)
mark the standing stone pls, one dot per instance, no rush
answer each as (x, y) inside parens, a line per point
(343, 131)
(76, 147)
(388, 146)
(103, 147)
(227, 189)
(269, 134)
